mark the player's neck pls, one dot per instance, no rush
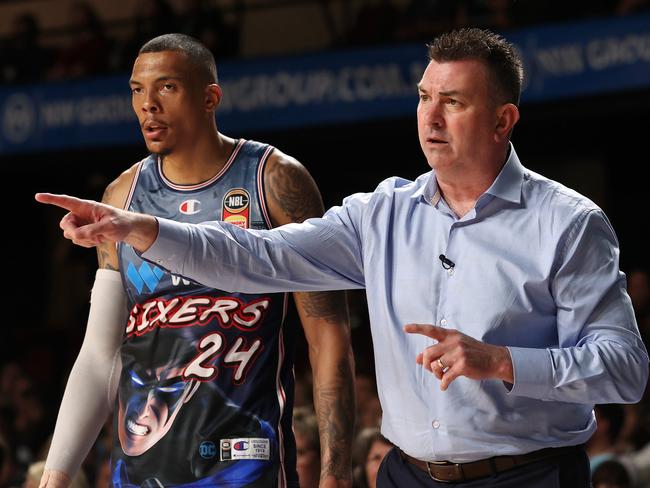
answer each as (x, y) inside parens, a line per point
(200, 162)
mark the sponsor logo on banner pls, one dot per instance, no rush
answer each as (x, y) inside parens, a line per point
(236, 207)
(19, 118)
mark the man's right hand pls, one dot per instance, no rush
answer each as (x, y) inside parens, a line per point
(90, 223)
(53, 478)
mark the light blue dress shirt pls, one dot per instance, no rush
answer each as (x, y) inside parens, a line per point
(536, 269)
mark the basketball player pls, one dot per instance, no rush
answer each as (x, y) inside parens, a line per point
(201, 379)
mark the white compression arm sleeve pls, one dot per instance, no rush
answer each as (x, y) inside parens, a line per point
(92, 385)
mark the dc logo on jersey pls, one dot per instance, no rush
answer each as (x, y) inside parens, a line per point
(240, 446)
(190, 207)
(147, 274)
(207, 450)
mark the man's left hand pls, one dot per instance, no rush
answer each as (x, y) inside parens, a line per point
(457, 354)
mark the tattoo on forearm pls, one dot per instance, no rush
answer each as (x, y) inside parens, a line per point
(294, 191)
(330, 306)
(105, 257)
(336, 407)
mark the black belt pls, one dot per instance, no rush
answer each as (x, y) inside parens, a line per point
(446, 472)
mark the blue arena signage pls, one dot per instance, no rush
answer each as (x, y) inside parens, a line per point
(561, 61)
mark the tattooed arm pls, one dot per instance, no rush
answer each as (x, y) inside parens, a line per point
(115, 195)
(292, 196)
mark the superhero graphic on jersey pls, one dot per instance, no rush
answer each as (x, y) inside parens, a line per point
(202, 398)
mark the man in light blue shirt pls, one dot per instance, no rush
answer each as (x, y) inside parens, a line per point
(518, 318)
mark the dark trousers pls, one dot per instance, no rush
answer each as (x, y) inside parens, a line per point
(566, 471)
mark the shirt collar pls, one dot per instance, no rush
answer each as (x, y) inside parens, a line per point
(427, 190)
(506, 186)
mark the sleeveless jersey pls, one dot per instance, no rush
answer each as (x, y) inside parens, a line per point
(205, 394)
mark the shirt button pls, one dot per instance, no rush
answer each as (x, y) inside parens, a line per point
(450, 271)
(435, 424)
(444, 322)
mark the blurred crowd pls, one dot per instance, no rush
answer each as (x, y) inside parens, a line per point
(92, 46)
(90, 50)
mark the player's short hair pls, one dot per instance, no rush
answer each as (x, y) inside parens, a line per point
(196, 53)
(505, 68)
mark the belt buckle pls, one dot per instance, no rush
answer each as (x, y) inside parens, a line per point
(456, 466)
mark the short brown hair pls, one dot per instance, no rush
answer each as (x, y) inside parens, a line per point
(504, 66)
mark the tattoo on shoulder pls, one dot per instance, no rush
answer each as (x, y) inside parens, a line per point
(294, 191)
(330, 306)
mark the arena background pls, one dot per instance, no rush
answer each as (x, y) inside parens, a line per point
(584, 122)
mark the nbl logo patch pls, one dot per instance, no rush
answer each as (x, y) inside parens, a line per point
(236, 207)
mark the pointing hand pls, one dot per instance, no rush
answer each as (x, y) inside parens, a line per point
(90, 223)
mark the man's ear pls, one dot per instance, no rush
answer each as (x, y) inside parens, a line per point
(212, 97)
(507, 117)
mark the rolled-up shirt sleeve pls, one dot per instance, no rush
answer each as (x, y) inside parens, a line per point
(318, 254)
(601, 357)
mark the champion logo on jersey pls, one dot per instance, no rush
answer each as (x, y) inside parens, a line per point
(236, 208)
(190, 207)
(240, 446)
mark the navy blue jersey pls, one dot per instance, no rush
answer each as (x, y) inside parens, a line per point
(206, 390)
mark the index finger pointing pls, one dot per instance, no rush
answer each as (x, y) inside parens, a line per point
(428, 330)
(64, 201)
